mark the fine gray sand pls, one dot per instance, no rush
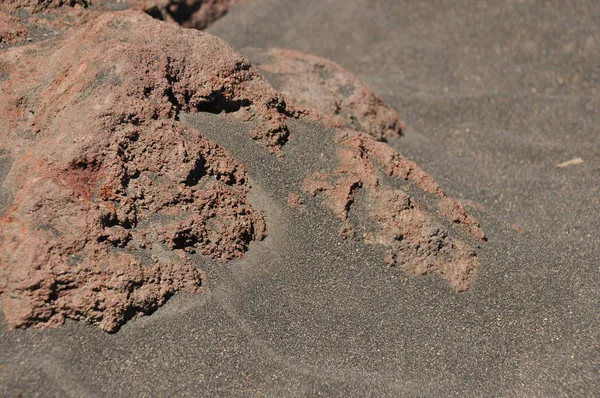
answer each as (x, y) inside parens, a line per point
(494, 95)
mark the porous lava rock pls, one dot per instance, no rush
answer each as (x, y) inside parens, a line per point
(41, 5)
(418, 238)
(195, 14)
(11, 30)
(109, 191)
(106, 195)
(49, 15)
(320, 87)
(432, 234)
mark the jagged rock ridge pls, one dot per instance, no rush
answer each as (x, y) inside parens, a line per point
(108, 193)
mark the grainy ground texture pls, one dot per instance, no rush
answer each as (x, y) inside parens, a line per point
(317, 198)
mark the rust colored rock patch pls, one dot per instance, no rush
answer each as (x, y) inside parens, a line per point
(110, 192)
(106, 195)
(11, 30)
(195, 14)
(42, 5)
(417, 239)
(322, 87)
(295, 201)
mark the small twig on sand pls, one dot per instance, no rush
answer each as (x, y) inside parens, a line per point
(571, 162)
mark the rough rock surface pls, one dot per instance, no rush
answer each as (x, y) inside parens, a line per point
(41, 5)
(196, 14)
(295, 201)
(320, 85)
(109, 191)
(11, 30)
(418, 239)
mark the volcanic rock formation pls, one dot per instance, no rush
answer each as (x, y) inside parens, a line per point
(322, 87)
(109, 191)
(106, 195)
(418, 238)
(196, 14)
(11, 30)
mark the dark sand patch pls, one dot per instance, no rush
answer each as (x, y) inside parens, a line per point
(493, 96)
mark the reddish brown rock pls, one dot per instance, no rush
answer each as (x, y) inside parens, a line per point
(195, 14)
(11, 30)
(109, 191)
(322, 87)
(42, 5)
(419, 240)
(295, 201)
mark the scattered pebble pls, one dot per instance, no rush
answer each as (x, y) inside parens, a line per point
(571, 162)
